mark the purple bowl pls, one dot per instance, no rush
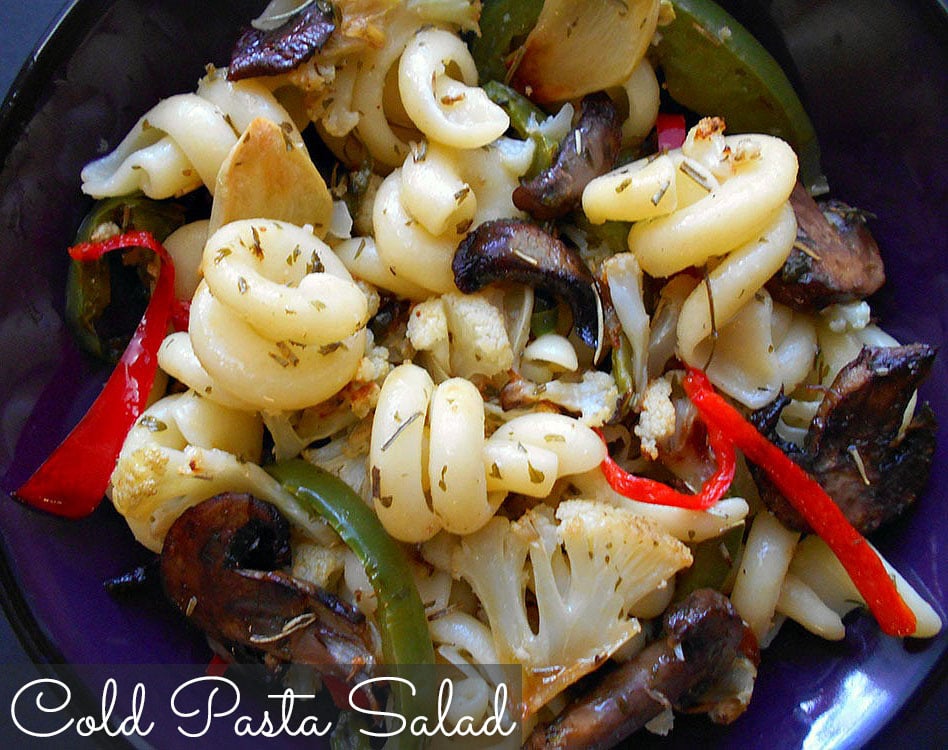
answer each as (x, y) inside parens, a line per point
(874, 76)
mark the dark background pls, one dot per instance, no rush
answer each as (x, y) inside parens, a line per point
(23, 24)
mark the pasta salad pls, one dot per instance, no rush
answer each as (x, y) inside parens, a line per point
(467, 340)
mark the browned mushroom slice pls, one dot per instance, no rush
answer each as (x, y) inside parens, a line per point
(512, 250)
(856, 447)
(220, 566)
(703, 635)
(264, 52)
(834, 260)
(588, 150)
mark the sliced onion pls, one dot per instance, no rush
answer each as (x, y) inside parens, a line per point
(578, 48)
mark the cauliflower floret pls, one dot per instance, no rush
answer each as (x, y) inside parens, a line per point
(428, 332)
(851, 316)
(466, 334)
(182, 450)
(705, 144)
(363, 392)
(657, 420)
(480, 345)
(595, 398)
(586, 572)
(185, 449)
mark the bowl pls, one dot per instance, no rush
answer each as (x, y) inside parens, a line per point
(874, 77)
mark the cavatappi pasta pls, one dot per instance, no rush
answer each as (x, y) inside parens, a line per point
(440, 417)
(180, 144)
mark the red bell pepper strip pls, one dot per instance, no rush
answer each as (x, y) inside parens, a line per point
(217, 666)
(671, 131)
(181, 314)
(648, 490)
(73, 480)
(810, 500)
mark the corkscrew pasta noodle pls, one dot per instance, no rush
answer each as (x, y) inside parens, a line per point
(360, 255)
(177, 358)
(277, 318)
(751, 346)
(454, 112)
(413, 253)
(727, 217)
(433, 191)
(455, 190)
(432, 469)
(181, 142)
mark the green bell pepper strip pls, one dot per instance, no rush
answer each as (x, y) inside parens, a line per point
(504, 25)
(100, 327)
(525, 119)
(714, 66)
(622, 372)
(714, 563)
(522, 111)
(545, 317)
(402, 624)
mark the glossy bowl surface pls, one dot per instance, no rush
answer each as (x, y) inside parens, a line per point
(874, 75)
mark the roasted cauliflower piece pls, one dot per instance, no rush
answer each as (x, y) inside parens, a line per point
(559, 589)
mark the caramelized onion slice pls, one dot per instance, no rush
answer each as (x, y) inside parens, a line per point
(574, 48)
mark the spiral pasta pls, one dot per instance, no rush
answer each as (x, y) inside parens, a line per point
(431, 468)
(751, 346)
(423, 209)
(181, 142)
(720, 201)
(703, 200)
(277, 318)
(358, 106)
(729, 216)
(456, 113)
(177, 358)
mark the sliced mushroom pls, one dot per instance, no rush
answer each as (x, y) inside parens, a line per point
(588, 150)
(703, 636)
(834, 260)
(856, 447)
(265, 52)
(221, 566)
(513, 250)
